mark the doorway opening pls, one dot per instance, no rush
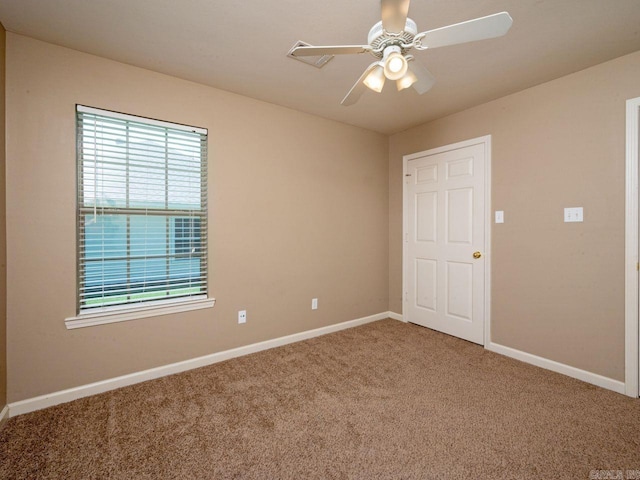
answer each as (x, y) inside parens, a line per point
(632, 353)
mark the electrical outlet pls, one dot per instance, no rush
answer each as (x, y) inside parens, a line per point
(314, 304)
(242, 316)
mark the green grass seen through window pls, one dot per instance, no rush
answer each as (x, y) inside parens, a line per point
(157, 295)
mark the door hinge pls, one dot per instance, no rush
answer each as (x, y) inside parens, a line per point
(637, 265)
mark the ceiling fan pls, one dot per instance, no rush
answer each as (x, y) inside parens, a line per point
(391, 39)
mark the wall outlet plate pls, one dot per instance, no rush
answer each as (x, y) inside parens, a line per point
(242, 316)
(314, 304)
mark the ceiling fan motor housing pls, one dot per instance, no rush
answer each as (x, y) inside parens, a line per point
(379, 38)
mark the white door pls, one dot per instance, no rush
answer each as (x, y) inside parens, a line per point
(444, 254)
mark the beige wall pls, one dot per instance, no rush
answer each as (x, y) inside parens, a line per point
(557, 288)
(3, 242)
(299, 209)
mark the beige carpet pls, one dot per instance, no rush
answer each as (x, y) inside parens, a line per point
(385, 400)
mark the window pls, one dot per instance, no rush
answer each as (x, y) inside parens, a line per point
(142, 211)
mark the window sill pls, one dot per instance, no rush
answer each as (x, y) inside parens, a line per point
(123, 314)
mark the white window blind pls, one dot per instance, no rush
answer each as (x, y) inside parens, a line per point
(142, 210)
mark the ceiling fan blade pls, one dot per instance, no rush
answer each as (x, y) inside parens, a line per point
(394, 14)
(478, 29)
(425, 79)
(358, 88)
(306, 51)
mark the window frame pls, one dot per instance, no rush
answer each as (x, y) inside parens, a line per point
(136, 309)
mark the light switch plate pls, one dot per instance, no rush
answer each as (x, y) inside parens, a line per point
(499, 216)
(573, 214)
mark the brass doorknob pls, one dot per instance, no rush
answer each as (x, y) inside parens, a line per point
(477, 254)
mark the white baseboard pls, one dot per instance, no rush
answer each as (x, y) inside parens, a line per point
(4, 415)
(63, 396)
(589, 377)
(395, 316)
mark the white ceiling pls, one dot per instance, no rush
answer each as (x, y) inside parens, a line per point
(242, 46)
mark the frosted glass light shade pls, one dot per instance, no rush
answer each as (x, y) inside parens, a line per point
(395, 66)
(375, 80)
(406, 81)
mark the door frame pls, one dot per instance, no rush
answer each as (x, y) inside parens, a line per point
(631, 327)
(486, 142)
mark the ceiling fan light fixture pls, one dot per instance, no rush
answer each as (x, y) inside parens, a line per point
(375, 80)
(405, 82)
(395, 65)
